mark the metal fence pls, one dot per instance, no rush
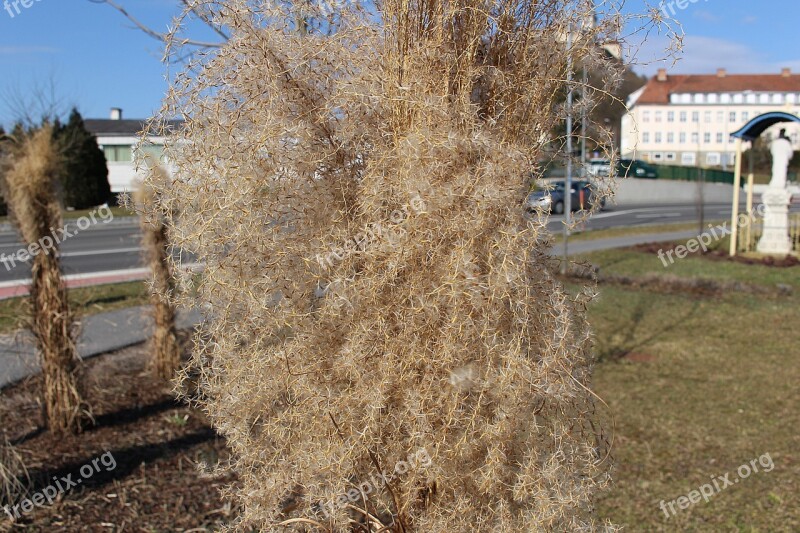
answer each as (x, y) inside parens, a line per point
(710, 175)
(751, 230)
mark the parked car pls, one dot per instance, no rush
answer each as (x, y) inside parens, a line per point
(626, 168)
(552, 199)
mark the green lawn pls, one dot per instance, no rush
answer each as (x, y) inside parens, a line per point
(85, 301)
(698, 386)
(624, 231)
(633, 263)
(118, 212)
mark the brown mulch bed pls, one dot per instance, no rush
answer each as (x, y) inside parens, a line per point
(722, 255)
(158, 444)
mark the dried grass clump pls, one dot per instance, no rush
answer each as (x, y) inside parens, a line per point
(165, 349)
(445, 335)
(30, 176)
(14, 478)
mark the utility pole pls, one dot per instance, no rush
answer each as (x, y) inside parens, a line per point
(585, 81)
(568, 180)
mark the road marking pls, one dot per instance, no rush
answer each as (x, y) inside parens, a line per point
(631, 211)
(102, 252)
(658, 215)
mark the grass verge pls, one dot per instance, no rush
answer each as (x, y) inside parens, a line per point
(84, 301)
(699, 386)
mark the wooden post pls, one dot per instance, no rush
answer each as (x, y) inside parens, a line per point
(737, 185)
(749, 208)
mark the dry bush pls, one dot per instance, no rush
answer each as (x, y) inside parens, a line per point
(165, 350)
(353, 183)
(30, 176)
(14, 479)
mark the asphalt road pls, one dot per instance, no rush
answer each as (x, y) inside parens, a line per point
(115, 246)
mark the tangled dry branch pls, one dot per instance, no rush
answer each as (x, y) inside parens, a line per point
(352, 176)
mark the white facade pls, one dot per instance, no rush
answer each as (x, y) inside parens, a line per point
(119, 151)
(694, 128)
(118, 138)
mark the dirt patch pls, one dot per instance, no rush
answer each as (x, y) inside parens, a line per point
(158, 446)
(720, 255)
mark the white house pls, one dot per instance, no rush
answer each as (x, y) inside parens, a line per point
(687, 119)
(118, 137)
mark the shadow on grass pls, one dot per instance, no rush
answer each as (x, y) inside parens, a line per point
(624, 340)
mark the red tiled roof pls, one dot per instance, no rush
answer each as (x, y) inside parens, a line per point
(657, 92)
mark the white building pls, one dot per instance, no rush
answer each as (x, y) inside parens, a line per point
(687, 119)
(118, 137)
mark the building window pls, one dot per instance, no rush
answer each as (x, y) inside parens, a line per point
(720, 138)
(658, 116)
(745, 116)
(645, 116)
(725, 98)
(683, 116)
(720, 116)
(777, 98)
(670, 137)
(751, 98)
(763, 98)
(657, 156)
(669, 156)
(699, 99)
(738, 98)
(712, 158)
(118, 154)
(671, 116)
(730, 158)
(732, 116)
(688, 159)
(658, 137)
(150, 149)
(695, 138)
(707, 137)
(646, 137)
(682, 137)
(695, 116)
(713, 98)
(707, 117)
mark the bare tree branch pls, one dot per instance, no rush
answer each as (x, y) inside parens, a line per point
(165, 37)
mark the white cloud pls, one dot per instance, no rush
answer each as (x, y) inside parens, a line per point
(705, 16)
(703, 55)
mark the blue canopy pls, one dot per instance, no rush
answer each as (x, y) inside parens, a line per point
(753, 129)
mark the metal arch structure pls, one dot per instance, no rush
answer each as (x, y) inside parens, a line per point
(750, 132)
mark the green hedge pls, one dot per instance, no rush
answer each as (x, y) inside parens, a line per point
(712, 175)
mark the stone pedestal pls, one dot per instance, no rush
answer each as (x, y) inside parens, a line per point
(775, 239)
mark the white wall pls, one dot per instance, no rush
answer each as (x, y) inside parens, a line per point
(631, 191)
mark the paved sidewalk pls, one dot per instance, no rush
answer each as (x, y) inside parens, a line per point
(101, 333)
(106, 332)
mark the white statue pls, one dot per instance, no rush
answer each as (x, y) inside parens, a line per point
(781, 155)
(775, 239)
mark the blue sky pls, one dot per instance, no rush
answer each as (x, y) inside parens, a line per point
(98, 61)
